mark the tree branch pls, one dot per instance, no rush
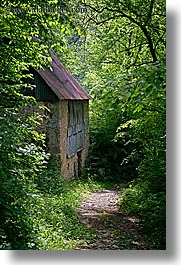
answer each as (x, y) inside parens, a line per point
(150, 11)
(122, 14)
(160, 40)
(140, 64)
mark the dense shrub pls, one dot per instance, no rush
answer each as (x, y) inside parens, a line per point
(146, 195)
(21, 159)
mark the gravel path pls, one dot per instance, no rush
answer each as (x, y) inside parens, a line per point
(115, 230)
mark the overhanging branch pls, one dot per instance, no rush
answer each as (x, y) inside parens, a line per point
(131, 19)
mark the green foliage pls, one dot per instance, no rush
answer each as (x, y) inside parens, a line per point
(140, 139)
(121, 61)
(150, 208)
(20, 160)
(118, 54)
(22, 155)
(146, 196)
(53, 211)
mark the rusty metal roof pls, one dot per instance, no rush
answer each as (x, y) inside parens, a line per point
(63, 84)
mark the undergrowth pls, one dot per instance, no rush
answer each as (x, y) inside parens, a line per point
(54, 212)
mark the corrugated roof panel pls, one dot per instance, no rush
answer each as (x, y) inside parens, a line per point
(63, 84)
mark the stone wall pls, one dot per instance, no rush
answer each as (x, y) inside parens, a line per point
(55, 126)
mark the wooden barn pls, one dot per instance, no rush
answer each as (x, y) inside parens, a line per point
(67, 123)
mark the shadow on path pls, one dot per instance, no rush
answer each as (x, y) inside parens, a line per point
(114, 229)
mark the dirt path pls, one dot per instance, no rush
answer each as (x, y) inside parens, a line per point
(114, 229)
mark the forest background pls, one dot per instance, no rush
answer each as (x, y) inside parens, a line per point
(117, 51)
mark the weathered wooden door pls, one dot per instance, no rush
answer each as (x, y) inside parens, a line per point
(75, 133)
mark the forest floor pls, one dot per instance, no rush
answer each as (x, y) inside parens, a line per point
(114, 229)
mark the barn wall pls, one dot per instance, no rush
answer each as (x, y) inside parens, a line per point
(73, 166)
(51, 125)
(65, 169)
(84, 153)
(55, 126)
